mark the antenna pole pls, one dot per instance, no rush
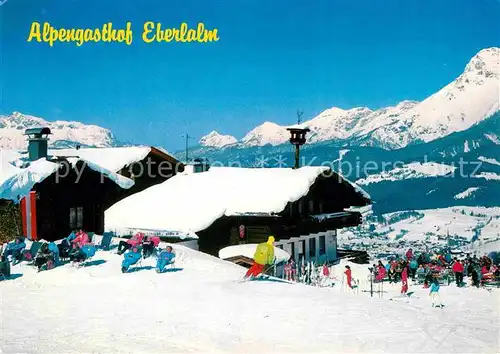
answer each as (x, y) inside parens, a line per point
(299, 116)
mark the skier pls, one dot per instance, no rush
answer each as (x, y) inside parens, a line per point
(293, 270)
(164, 258)
(434, 294)
(404, 279)
(326, 274)
(381, 272)
(409, 254)
(264, 254)
(348, 274)
(288, 270)
(458, 269)
(413, 268)
(326, 270)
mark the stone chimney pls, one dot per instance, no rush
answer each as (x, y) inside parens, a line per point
(38, 142)
(200, 165)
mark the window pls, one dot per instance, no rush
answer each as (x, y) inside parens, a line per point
(292, 249)
(311, 207)
(321, 207)
(312, 247)
(302, 248)
(322, 245)
(76, 218)
(301, 206)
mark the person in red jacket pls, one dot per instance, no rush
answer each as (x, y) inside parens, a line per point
(458, 269)
(348, 275)
(404, 279)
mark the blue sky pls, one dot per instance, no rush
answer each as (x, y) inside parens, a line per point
(273, 57)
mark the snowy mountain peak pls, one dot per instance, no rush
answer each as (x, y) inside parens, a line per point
(471, 98)
(18, 120)
(214, 139)
(485, 63)
(406, 104)
(335, 123)
(64, 133)
(266, 133)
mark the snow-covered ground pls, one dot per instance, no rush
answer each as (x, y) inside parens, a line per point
(409, 171)
(203, 308)
(419, 225)
(467, 193)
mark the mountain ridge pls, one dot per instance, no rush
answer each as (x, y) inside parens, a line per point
(472, 97)
(64, 133)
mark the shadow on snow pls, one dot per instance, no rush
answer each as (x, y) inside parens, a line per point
(92, 263)
(11, 277)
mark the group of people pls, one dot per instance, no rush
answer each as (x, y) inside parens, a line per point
(142, 246)
(429, 269)
(78, 248)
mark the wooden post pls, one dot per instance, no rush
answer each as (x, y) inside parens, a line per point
(28, 211)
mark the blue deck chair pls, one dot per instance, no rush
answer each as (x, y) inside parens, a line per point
(106, 241)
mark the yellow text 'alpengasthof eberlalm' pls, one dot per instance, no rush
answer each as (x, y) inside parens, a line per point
(152, 32)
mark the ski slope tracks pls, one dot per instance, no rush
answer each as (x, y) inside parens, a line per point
(201, 307)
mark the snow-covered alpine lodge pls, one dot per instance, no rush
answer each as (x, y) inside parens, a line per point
(223, 206)
(122, 190)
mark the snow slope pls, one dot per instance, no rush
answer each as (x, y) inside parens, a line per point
(214, 139)
(488, 160)
(422, 225)
(12, 128)
(466, 193)
(408, 171)
(201, 308)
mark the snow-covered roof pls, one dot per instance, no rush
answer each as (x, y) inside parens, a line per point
(192, 202)
(120, 180)
(18, 176)
(112, 159)
(8, 168)
(23, 179)
(248, 250)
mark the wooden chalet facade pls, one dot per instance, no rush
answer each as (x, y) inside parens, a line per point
(306, 228)
(226, 206)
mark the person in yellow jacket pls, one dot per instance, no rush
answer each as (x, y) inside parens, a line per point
(264, 254)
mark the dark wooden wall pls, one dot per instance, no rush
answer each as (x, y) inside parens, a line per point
(329, 195)
(55, 197)
(144, 177)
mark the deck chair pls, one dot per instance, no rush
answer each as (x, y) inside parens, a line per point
(35, 246)
(106, 241)
(4, 268)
